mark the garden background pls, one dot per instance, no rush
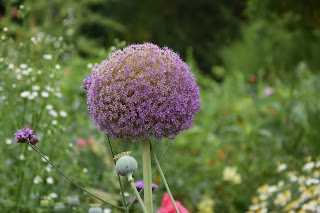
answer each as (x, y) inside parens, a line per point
(256, 62)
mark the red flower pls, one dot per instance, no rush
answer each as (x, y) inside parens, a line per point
(253, 79)
(90, 141)
(81, 143)
(167, 206)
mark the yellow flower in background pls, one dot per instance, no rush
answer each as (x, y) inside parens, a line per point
(230, 174)
(206, 205)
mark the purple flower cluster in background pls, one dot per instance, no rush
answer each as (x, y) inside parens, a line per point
(139, 185)
(87, 83)
(142, 92)
(26, 135)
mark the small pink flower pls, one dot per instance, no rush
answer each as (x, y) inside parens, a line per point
(81, 143)
(90, 141)
(268, 91)
(15, 13)
(167, 206)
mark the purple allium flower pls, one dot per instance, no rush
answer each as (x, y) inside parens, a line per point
(143, 91)
(87, 83)
(268, 91)
(26, 135)
(139, 185)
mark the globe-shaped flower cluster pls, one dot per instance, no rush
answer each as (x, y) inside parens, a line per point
(142, 91)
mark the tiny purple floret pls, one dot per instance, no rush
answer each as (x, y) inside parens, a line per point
(26, 135)
(139, 185)
(87, 83)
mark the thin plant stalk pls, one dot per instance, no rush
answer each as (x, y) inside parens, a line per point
(165, 152)
(38, 151)
(138, 197)
(147, 175)
(121, 189)
(164, 180)
(20, 184)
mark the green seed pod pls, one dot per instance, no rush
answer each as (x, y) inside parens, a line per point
(59, 208)
(126, 166)
(95, 209)
(74, 202)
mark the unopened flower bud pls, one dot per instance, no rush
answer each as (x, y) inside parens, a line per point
(126, 166)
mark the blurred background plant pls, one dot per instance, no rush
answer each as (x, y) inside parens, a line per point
(256, 63)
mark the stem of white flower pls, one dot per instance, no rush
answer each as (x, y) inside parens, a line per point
(147, 175)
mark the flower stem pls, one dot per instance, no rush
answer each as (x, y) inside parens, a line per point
(164, 181)
(138, 197)
(121, 189)
(165, 152)
(20, 184)
(147, 176)
(38, 151)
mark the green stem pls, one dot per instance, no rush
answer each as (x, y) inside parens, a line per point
(165, 152)
(38, 151)
(147, 176)
(121, 189)
(133, 186)
(164, 180)
(20, 184)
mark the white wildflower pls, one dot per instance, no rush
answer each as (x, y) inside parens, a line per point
(33, 40)
(44, 94)
(14, 85)
(49, 89)
(53, 113)
(63, 114)
(5, 29)
(37, 180)
(308, 166)
(230, 174)
(107, 210)
(54, 122)
(85, 170)
(53, 195)
(23, 66)
(35, 87)
(9, 141)
(58, 94)
(11, 66)
(57, 66)
(25, 94)
(21, 157)
(44, 160)
(49, 107)
(49, 180)
(90, 65)
(48, 168)
(281, 167)
(33, 95)
(47, 56)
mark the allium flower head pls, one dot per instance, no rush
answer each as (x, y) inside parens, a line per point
(143, 91)
(26, 135)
